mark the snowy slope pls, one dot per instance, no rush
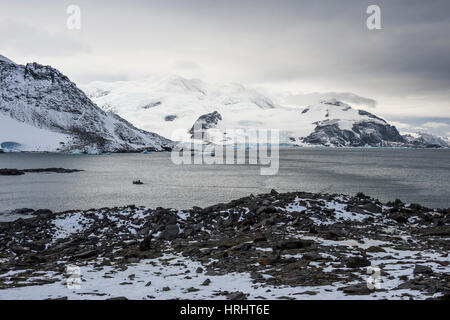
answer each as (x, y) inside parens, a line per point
(28, 137)
(5, 59)
(40, 107)
(169, 104)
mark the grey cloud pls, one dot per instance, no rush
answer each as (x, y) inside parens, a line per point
(35, 41)
(310, 98)
(323, 44)
(87, 77)
(436, 125)
(433, 125)
(185, 65)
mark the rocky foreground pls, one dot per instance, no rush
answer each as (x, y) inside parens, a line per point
(271, 246)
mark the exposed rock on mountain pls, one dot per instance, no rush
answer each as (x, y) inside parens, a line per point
(170, 117)
(205, 122)
(340, 125)
(425, 140)
(364, 132)
(41, 109)
(169, 104)
(5, 59)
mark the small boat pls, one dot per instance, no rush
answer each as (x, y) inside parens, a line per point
(137, 182)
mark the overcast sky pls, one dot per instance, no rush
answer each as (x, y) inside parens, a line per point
(302, 49)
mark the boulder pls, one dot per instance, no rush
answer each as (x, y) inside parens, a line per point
(146, 243)
(356, 290)
(238, 295)
(294, 244)
(357, 262)
(420, 269)
(171, 232)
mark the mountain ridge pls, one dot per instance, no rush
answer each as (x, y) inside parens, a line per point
(167, 104)
(41, 109)
(42, 100)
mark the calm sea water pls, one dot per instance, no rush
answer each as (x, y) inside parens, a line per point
(420, 176)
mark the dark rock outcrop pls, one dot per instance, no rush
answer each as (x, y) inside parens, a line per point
(362, 133)
(203, 123)
(16, 172)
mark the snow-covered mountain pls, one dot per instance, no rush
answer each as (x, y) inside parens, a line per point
(341, 125)
(168, 104)
(420, 139)
(41, 109)
(5, 59)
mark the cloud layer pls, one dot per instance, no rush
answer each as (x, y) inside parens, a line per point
(309, 48)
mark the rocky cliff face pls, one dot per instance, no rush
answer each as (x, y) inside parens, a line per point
(373, 132)
(44, 101)
(340, 125)
(425, 140)
(205, 122)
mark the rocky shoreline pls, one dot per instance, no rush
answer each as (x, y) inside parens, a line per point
(18, 172)
(272, 246)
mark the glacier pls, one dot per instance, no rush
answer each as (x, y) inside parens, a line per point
(171, 105)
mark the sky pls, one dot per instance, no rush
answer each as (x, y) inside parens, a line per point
(300, 50)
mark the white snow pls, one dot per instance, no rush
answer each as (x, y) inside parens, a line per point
(168, 271)
(428, 138)
(40, 108)
(152, 275)
(5, 59)
(339, 211)
(146, 103)
(179, 273)
(29, 137)
(69, 224)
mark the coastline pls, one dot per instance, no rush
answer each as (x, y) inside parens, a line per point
(149, 150)
(293, 245)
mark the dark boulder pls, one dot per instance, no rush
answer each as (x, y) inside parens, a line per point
(357, 262)
(294, 244)
(11, 172)
(171, 232)
(360, 289)
(420, 269)
(237, 296)
(146, 243)
(42, 212)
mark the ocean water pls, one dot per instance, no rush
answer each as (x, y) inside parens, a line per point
(412, 175)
